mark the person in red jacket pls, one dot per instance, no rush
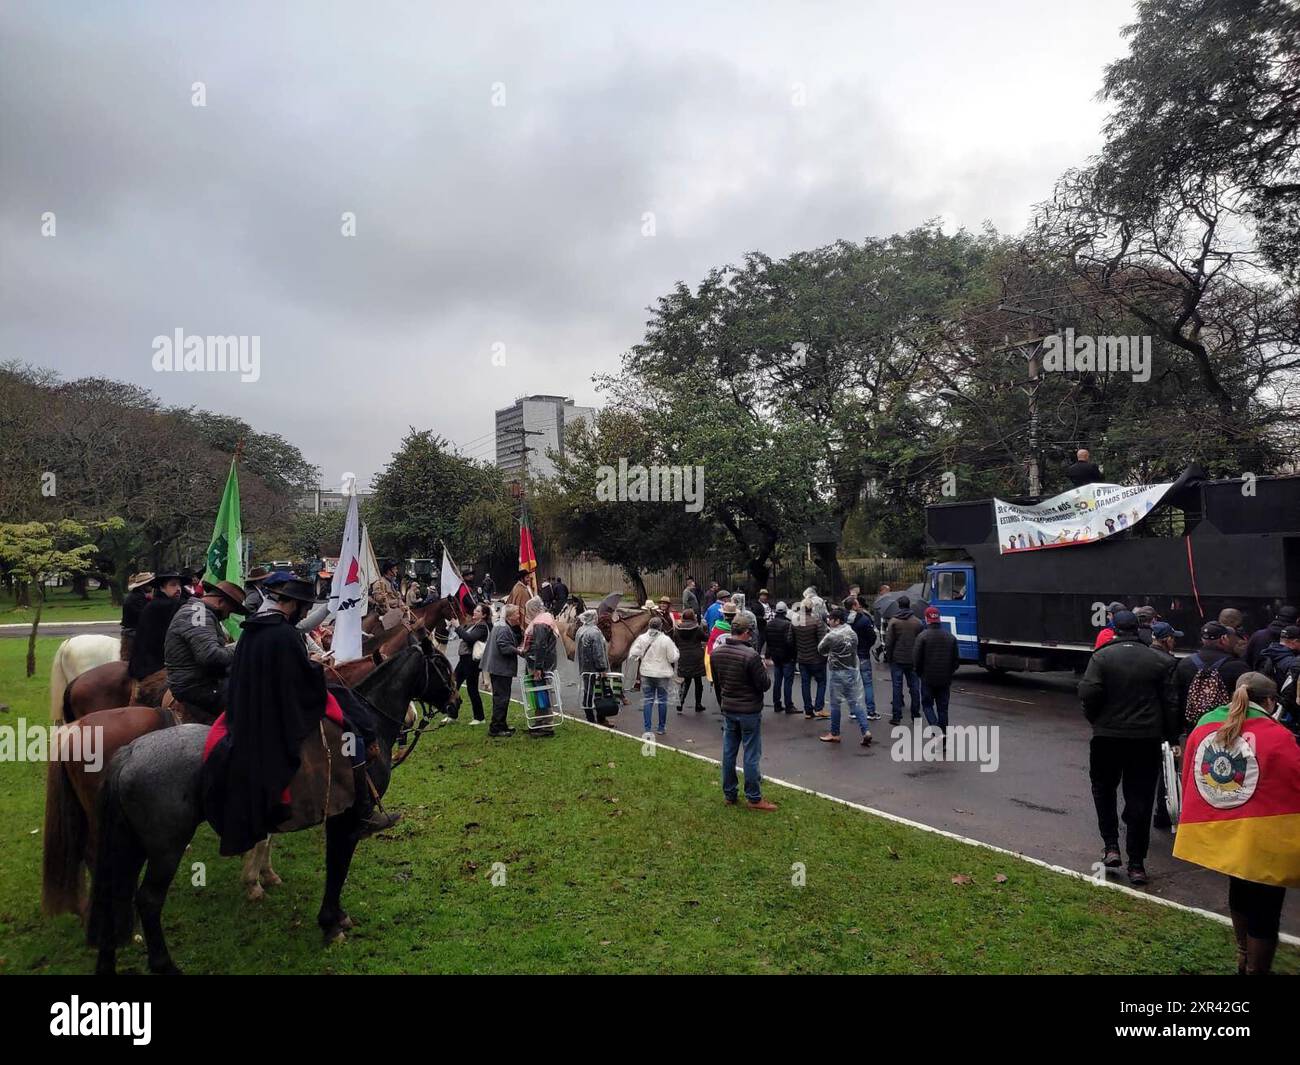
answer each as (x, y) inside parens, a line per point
(1108, 633)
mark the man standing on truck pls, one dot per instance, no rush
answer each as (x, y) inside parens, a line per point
(1083, 470)
(900, 640)
(1129, 698)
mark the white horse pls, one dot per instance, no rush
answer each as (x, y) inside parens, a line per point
(72, 659)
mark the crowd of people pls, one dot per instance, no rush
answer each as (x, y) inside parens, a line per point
(1229, 710)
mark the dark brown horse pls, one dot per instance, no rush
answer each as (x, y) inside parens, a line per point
(108, 686)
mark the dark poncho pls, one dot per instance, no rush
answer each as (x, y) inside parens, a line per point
(276, 698)
(151, 635)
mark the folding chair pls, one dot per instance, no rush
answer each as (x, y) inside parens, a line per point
(542, 704)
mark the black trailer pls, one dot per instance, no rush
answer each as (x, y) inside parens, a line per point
(1206, 546)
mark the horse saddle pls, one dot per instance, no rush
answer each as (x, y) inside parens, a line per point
(324, 784)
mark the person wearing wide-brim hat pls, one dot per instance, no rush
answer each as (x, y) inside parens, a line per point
(133, 603)
(253, 588)
(147, 648)
(199, 652)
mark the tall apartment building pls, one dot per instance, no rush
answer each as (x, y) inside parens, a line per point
(531, 428)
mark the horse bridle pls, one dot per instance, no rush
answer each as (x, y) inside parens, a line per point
(427, 712)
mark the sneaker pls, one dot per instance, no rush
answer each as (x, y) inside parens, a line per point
(1111, 859)
(447, 719)
(828, 738)
(866, 739)
(895, 720)
(503, 734)
(1137, 876)
(477, 721)
(822, 713)
(762, 804)
(809, 716)
(872, 716)
(661, 732)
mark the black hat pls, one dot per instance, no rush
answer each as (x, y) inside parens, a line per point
(163, 578)
(1291, 632)
(1288, 613)
(1124, 619)
(1212, 630)
(284, 584)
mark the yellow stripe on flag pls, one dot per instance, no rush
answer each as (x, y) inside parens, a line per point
(1263, 849)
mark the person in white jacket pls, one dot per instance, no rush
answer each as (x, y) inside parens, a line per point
(657, 654)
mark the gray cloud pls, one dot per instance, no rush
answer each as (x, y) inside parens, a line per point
(477, 224)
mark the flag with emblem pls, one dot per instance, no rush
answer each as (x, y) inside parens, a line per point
(527, 556)
(347, 591)
(225, 559)
(1241, 801)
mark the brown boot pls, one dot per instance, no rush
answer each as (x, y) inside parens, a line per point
(762, 804)
(1259, 955)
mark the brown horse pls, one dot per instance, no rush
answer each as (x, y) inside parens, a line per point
(107, 687)
(623, 629)
(71, 789)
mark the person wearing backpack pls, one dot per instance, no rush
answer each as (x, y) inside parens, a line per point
(1276, 660)
(1129, 698)
(1207, 678)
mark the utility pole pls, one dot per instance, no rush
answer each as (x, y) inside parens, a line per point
(1032, 352)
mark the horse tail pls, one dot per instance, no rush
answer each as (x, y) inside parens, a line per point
(58, 687)
(119, 857)
(64, 843)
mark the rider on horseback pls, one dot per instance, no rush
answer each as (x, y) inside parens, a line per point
(198, 649)
(151, 631)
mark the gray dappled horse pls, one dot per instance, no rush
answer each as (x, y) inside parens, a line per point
(151, 806)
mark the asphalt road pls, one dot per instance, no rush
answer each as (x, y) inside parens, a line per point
(1038, 801)
(68, 628)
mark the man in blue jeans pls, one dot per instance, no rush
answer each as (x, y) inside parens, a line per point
(859, 620)
(780, 649)
(840, 646)
(741, 680)
(900, 639)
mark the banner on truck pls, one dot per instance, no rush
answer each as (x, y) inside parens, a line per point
(1079, 516)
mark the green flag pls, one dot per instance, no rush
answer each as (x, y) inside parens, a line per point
(225, 553)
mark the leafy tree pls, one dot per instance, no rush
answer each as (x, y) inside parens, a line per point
(37, 551)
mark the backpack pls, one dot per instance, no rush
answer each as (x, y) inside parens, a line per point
(1206, 692)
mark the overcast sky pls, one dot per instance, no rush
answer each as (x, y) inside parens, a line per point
(741, 126)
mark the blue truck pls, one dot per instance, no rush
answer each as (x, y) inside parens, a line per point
(1206, 546)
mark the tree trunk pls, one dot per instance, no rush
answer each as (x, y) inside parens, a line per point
(828, 561)
(79, 586)
(638, 585)
(22, 593)
(114, 588)
(31, 640)
(758, 572)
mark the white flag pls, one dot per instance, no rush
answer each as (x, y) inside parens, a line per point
(369, 567)
(347, 593)
(449, 584)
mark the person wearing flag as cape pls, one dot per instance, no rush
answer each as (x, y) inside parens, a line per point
(1241, 813)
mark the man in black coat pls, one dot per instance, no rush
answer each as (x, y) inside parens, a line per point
(275, 700)
(1130, 698)
(147, 651)
(1084, 470)
(1270, 633)
(936, 659)
(781, 650)
(133, 604)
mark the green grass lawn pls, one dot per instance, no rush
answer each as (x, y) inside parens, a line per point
(614, 862)
(62, 605)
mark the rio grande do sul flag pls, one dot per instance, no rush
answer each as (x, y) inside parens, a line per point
(347, 591)
(225, 560)
(1241, 806)
(527, 556)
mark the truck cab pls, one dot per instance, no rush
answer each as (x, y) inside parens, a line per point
(950, 587)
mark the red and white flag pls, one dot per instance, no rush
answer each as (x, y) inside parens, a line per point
(348, 591)
(451, 583)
